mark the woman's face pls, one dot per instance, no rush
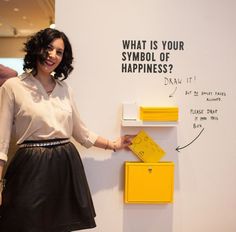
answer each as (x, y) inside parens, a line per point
(55, 54)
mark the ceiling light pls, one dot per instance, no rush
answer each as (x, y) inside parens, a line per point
(51, 23)
(53, 26)
(16, 9)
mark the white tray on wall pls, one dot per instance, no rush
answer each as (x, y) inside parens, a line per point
(140, 123)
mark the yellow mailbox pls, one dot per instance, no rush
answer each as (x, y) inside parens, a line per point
(149, 183)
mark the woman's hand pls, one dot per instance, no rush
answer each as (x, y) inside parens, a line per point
(122, 142)
(118, 144)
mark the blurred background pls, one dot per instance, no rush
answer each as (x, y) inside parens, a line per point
(18, 20)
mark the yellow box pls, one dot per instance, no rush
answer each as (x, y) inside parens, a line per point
(149, 183)
(158, 113)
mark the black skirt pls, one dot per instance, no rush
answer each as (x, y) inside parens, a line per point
(46, 191)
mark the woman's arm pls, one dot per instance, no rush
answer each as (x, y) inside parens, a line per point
(6, 73)
(120, 143)
(1, 179)
(1, 168)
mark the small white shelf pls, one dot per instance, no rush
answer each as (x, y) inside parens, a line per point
(139, 123)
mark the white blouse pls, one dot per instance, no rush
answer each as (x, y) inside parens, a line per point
(36, 115)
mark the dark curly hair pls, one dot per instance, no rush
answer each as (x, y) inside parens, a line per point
(36, 49)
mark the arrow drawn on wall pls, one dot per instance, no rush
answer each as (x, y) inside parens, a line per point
(180, 148)
(172, 94)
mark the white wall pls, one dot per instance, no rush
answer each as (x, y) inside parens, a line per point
(205, 173)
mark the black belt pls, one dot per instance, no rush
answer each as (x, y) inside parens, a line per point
(46, 143)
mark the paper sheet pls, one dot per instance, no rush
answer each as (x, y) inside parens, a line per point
(146, 148)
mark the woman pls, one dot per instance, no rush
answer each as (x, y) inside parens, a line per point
(46, 188)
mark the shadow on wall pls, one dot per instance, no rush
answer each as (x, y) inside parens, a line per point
(106, 174)
(154, 217)
(148, 218)
(109, 173)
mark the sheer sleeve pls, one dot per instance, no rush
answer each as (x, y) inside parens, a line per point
(80, 132)
(6, 119)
